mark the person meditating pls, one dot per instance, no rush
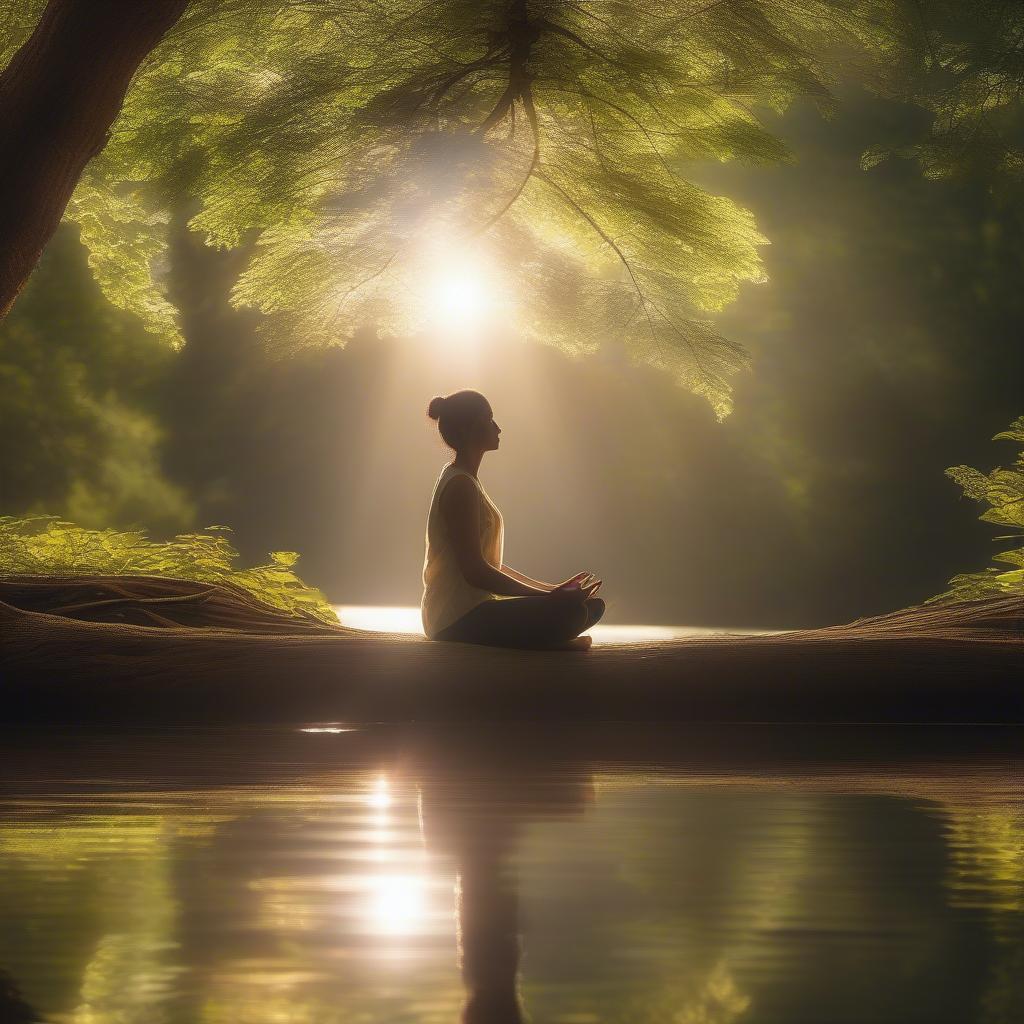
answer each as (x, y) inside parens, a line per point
(468, 593)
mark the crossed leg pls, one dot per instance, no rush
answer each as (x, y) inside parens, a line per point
(535, 622)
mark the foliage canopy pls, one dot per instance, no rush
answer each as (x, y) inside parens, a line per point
(964, 64)
(79, 385)
(352, 141)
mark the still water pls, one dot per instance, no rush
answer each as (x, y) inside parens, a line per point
(640, 874)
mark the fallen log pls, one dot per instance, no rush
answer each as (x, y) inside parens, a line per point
(75, 650)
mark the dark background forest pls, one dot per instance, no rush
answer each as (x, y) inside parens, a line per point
(885, 348)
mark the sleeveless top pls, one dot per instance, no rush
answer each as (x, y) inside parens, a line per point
(447, 595)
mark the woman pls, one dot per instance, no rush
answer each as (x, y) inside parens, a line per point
(468, 594)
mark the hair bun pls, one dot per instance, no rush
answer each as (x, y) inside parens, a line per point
(434, 409)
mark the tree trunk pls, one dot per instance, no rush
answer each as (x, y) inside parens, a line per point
(75, 649)
(58, 97)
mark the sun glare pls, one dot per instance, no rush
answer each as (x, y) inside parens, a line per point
(460, 297)
(380, 797)
(459, 285)
(397, 904)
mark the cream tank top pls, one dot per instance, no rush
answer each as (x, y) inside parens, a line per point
(447, 596)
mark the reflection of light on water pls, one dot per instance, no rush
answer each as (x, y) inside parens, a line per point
(397, 904)
(379, 618)
(379, 797)
(397, 896)
(398, 619)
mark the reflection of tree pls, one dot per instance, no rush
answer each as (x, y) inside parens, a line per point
(1003, 1000)
(986, 872)
(684, 901)
(987, 852)
(108, 905)
(715, 1000)
(673, 900)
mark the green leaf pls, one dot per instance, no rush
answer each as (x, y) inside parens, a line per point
(47, 545)
(1003, 491)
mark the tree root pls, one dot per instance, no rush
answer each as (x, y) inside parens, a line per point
(150, 649)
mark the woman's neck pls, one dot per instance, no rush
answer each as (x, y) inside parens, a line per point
(469, 461)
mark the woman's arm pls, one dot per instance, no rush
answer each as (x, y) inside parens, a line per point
(547, 587)
(460, 507)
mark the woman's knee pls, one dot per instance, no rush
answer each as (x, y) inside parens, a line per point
(571, 619)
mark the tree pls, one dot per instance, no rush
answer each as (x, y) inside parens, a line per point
(549, 137)
(80, 385)
(59, 95)
(963, 63)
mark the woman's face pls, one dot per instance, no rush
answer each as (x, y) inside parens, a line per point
(489, 431)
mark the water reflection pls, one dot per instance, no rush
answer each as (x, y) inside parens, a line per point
(677, 877)
(475, 805)
(13, 1008)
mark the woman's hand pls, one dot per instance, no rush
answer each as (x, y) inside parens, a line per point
(577, 588)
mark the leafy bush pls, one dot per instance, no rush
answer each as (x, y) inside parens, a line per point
(50, 546)
(1003, 490)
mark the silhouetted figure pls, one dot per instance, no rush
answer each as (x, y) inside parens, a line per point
(475, 802)
(468, 593)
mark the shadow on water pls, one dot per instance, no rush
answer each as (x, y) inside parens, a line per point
(644, 874)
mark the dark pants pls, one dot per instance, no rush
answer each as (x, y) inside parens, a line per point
(524, 622)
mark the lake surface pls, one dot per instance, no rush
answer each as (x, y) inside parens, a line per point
(640, 874)
(406, 619)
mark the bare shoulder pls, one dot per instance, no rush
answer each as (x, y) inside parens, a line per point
(460, 511)
(459, 492)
